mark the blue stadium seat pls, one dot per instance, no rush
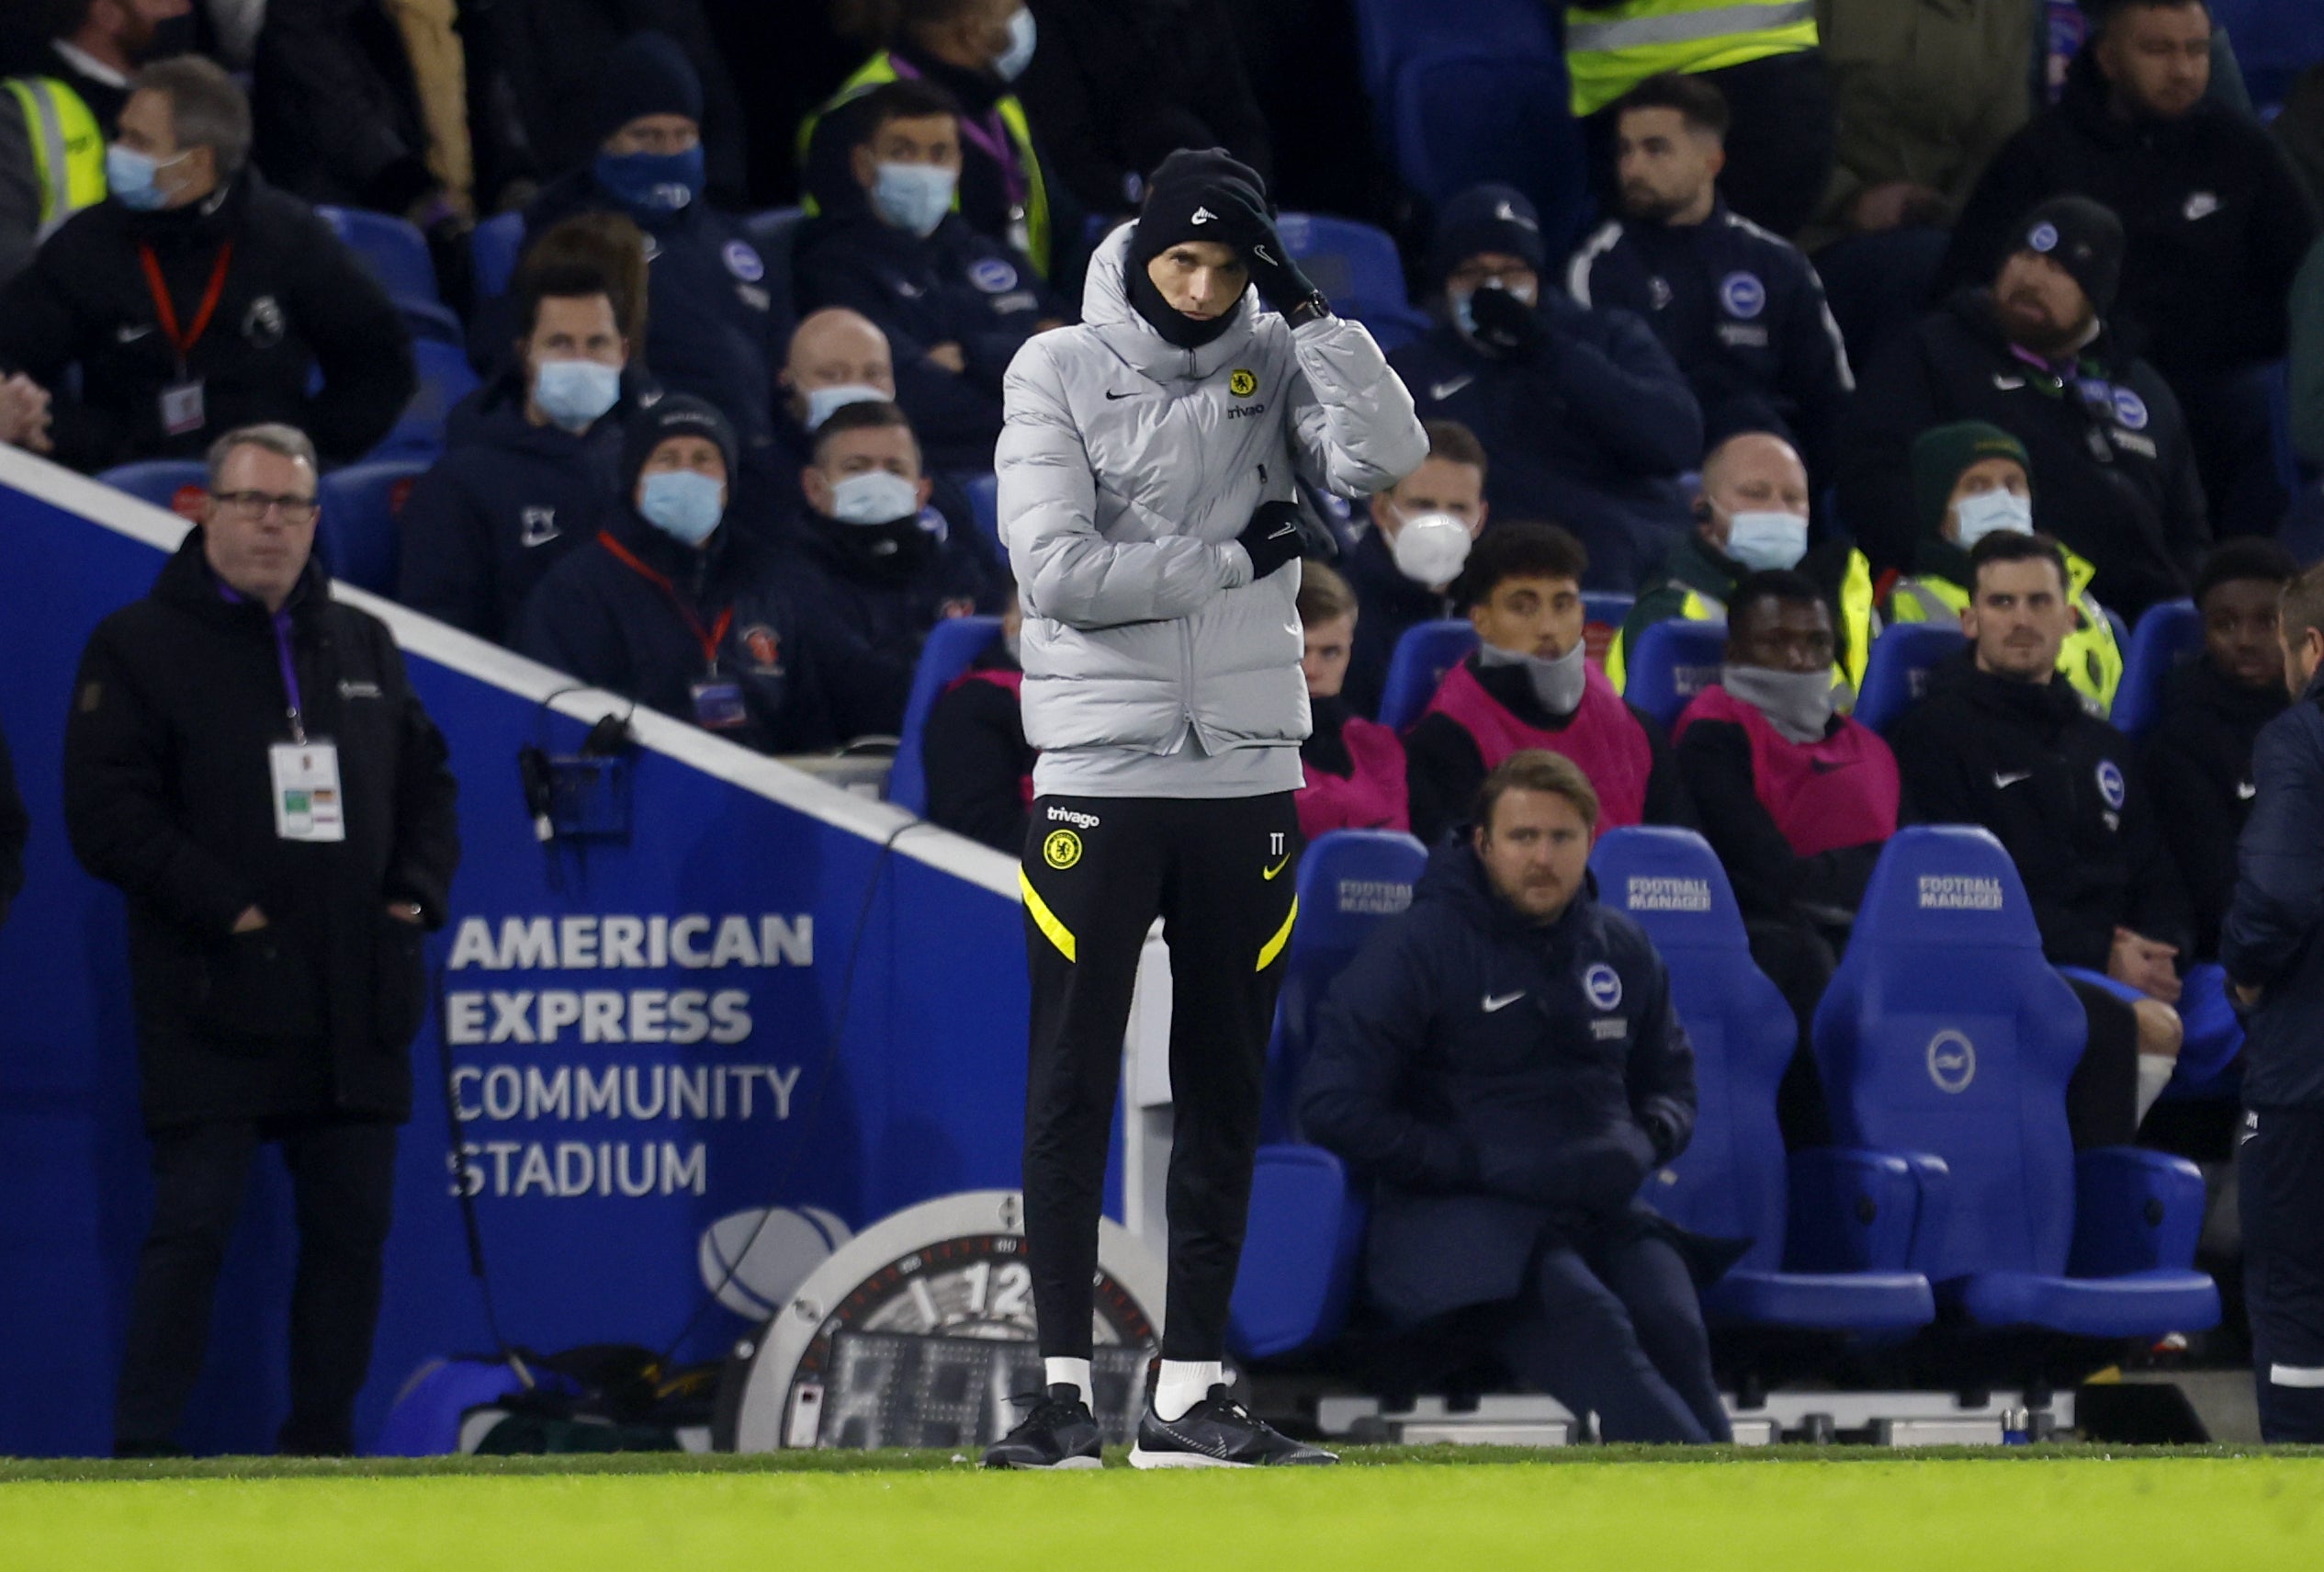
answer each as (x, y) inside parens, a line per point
(1306, 1224)
(1609, 608)
(1674, 661)
(1353, 263)
(396, 253)
(1349, 881)
(1898, 669)
(776, 234)
(494, 246)
(1426, 652)
(1945, 1032)
(1389, 32)
(984, 500)
(181, 485)
(2167, 631)
(426, 319)
(1842, 1266)
(952, 647)
(445, 378)
(2275, 41)
(357, 531)
(1464, 116)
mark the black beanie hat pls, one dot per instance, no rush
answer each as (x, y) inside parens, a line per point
(1483, 219)
(2084, 238)
(1174, 197)
(647, 73)
(673, 415)
(1942, 453)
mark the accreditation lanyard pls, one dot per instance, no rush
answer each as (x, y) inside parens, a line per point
(183, 339)
(280, 622)
(308, 802)
(710, 637)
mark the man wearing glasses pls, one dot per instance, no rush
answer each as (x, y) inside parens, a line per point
(246, 760)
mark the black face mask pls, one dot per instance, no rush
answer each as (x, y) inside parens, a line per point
(1175, 326)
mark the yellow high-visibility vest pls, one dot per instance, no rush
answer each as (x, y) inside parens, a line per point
(1859, 625)
(68, 147)
(1032, 236)
(1610, 49)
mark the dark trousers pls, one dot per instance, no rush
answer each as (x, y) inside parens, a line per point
(342, 1184)
(1614, 1328)
(2101, 1096)
(2281, 1175)
(1221, 875)
(1799, 960)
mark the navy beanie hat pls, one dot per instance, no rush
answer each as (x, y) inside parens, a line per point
(1483, 219)
(647, 73)
(674, 414)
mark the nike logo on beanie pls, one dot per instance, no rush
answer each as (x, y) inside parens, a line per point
(1203, 216)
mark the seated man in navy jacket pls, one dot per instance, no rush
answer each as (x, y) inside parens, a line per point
(876, 566)
(1586, 417)
(1503, 1064)
(955, 306)
(673, 607)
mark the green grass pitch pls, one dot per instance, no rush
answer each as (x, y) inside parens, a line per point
(1407, 1509)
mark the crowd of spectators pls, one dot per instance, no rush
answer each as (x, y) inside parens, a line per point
(1886, 321)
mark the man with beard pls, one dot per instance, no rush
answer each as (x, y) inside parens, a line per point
(2033, 356)
(1739, 309)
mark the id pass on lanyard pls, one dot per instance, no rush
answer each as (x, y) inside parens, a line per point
(183, 411)
(302, 774)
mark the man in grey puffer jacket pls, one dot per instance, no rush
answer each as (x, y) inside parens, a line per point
(1148, 501)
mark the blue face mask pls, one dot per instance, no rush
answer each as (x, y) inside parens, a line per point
(824, 402)
(574, 393)
(1022, 35)
(1765, 539)
(133, 179)
(651, 183)
(876, 496)
(681, 503)
(914, 197)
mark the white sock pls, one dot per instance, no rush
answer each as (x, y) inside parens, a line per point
(1069, 1373)
(2154, 1074)
(1185, 1382)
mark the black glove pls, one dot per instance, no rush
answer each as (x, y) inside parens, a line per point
(1597, 1175)
(1505, 325)
(1244, 224)
(1271, 538)
(1610, 1169)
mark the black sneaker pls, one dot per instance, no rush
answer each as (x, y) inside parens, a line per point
(1058, 1432)
(1218, 1432)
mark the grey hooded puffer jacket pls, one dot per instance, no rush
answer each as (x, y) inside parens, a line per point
(1127, 468)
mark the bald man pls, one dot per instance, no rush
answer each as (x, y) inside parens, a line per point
(837, 357)
(1751, 516)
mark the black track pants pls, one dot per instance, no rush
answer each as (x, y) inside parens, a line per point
(2281, 1194)
(1097, 872)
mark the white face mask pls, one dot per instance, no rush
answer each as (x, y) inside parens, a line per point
(1432, 548)
(1557, 684)
(876, 496)
(1993, 510)
(822, 402)
(1762, 540)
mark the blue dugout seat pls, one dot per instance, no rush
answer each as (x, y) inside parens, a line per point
(1465, 116)
(983, 492)
(2168, 630)
(1946, 1032)
(1357, 267)
(1426, 652)
(1389, 32)
(1674, 660)
(1305, 1233)
(952, 647)
(181, 485)
(1840, 1263)
(358, 530)
(1898, 669)
(493, 248)
(446, 377)
(395, 253)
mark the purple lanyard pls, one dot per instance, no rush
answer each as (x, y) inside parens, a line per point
(992, 135)
(2030, 358)
(281, 623)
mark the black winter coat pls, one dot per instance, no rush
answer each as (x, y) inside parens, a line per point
(978, 764)
(1500, 1082)
(167, 794)
(1591, 432)
(596, 617)
(2138, 517)
(502, 508)
(2216, 221)
(1389, 605)
(2274, 936)
(870, 593)
(2062, 793)
(2198, 765)
(296, 300)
